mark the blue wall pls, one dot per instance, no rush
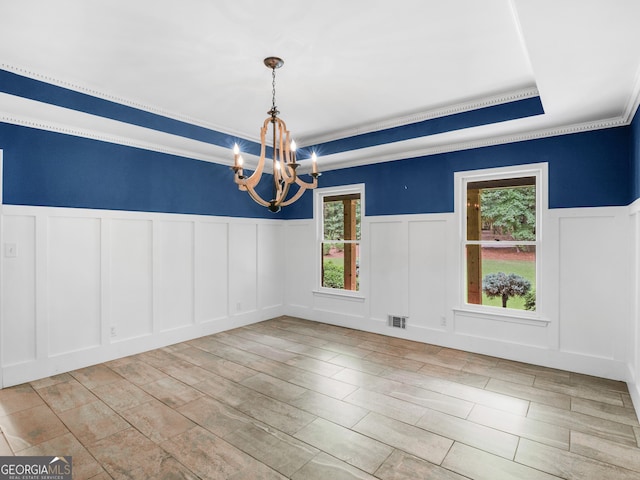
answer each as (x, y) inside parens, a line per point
(635, 157)
(50, 169)
(590, 169)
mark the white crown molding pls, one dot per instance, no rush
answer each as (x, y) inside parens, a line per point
(123, 101)
(43, 116)
(30, 113)
(416, 117)
(422, 147)
(634, 100)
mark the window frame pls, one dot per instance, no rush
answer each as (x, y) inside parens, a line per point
(462, 179)
(319, 194)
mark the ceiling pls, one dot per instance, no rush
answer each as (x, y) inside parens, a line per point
(350, 66)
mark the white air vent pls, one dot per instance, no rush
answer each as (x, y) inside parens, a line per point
(397, 322)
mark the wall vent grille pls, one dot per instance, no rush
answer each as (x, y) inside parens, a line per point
(397, 321)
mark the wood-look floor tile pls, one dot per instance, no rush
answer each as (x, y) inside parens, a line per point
(5, 448)
(334, 410)
(278, 450)
(209, 456)
(66, 395)
(20, 397)
(172, 392)
(605, 410)
(626, 400)
(568, 465)
(211, 425)
(195, 356)
(95, 376)
(522, 426)
(92, 422)
(432, 400)
(344, 349)
(534, 394)
(598, 382)
(480, 465)
(324, 467)
(215, 416)
(402, 466)
(318, 383)
(313, 352)
(576, 389)
(102, 476)
(167, 468)
(157, 421)
(30, 427)
(128, 454)
(275, 413)
(464, 431)
(228, 369)
(417, 441)
(394, 362)
(580, 422)
(273, 387)
(121, 395)
(537, 371)
(463, 392)
(499, 373)
(234, 354)
(139, 372)
(368, 381)
(48, 381)
(606, 451)
(313, 365)
(386, 405)
(84, 465)
(458, 376)
(350, 447)
(226, 391)
(359, 364)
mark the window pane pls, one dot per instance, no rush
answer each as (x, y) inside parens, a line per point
(501, 276)
(341, 266)
(501, 212)
(342, 218)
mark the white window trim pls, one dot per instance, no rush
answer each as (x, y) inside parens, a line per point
(318, 199)
(538, 170)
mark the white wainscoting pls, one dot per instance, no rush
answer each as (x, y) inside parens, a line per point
(411, 266)
(88, 286)
(633, 336)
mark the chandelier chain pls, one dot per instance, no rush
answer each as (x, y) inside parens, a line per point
(273, 89)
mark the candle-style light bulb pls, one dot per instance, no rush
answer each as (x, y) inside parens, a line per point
(292, 147)
(314, 163)
(236, 154)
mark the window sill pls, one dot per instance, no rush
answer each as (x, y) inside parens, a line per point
(342, 294)
(512, 316)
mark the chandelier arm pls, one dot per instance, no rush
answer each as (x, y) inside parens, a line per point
(255, 177)
(297, 195)
(302, 187)
(307, 185)
(278, 201)
(256, 198)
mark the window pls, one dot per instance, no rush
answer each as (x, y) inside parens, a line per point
(339, 211)
(501, 239)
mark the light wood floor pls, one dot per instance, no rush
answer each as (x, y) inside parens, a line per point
(289, 398)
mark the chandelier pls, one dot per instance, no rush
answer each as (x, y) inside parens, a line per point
(284, 157)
